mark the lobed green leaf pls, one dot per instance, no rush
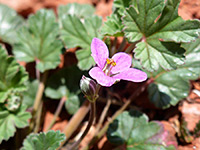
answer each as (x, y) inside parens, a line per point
(79, 10)
(12, 76)
(78, 32)
(38, 41)
(10, 21)
(85, 61)
(154, 53)
(119, 131)
(113, 26)
(9, 121)
(154, 22)
(172, 86)
(121, 5)
(133, 129)
(43, 141)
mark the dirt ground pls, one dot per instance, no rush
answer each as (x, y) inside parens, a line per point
(188, 110)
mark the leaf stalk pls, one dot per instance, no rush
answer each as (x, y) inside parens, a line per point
(58, 110)
(38, 98)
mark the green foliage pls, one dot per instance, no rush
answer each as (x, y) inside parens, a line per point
(79, 32)
(43, 141)
(29, 95)
(172, 86)
(38, 41)
(154, 53)
(65, 83)
(12, 76)
(10, 21)
(85, 61)
(119, 131)
(75, 32)
(113, 26)
(73, 102)
(79, 10)
(133, 129)
(10, 120)
(121, 5)
(158, 25)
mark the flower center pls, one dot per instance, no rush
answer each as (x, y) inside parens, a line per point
(110, 63)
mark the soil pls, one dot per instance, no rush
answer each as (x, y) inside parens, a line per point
(188, 110)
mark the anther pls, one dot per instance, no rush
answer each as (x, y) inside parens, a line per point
(111, 61)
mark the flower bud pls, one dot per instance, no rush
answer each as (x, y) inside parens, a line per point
(88, 87)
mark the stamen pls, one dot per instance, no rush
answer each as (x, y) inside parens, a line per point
(110, 61)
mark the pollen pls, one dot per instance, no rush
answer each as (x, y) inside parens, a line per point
(111, 61)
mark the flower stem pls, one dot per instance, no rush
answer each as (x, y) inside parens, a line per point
(75, 121)
(105, 110)
(113, 48)
(37, 71)
(90, 122)
(104, 129)
(122, 45)
(130, 48)
(58, 110)
(38, 98)
(38, 119)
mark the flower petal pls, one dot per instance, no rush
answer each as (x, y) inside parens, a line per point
(132, 74)
(99, 52)
(104, 80)
(123, 62)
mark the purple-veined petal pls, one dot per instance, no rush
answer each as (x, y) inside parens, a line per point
(99, 52)
(123, 62)
(132, 74)
(104, 80)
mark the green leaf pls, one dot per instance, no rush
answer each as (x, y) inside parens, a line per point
(9, 121)
(38, 41)
(150, 136)
(119, 131)
(75, 32)
(29, 95)
(10, 21)
(154, 53)
(65, 83)
(172, 86)
(78, 32)
(85, 61)
(79, 10)
(72, 104)
(43, 141)
(121, 5)
(12, 76)
(133, 129)
(113, 26)
(153, 22)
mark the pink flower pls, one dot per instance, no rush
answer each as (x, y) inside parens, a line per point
(111, 70)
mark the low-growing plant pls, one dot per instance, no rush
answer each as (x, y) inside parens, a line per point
(147, 42)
